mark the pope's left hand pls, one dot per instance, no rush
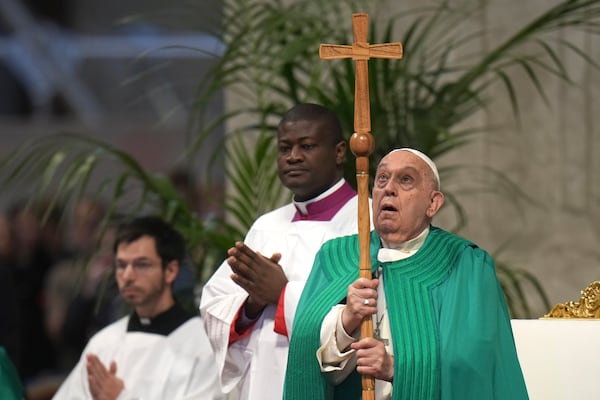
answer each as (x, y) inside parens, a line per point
(373, 360)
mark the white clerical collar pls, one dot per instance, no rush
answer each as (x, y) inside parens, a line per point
(399, 251)
(302, 205)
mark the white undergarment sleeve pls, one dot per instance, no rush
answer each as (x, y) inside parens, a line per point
(334, 357)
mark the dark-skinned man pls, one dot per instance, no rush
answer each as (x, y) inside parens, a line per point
(249, 304)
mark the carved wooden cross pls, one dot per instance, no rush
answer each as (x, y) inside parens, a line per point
(361, 51)
(362, 143)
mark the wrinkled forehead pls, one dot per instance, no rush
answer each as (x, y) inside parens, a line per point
(406, 157)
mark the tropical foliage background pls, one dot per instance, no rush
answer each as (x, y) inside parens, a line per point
(426, 100)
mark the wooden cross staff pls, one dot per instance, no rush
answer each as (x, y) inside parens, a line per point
(362, 143)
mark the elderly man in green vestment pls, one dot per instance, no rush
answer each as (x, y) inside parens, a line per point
(442, 329)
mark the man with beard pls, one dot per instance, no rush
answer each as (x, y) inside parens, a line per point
(159, 351)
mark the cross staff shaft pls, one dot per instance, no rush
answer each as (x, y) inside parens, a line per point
(362, 143)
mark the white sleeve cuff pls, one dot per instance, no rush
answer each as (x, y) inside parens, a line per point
(333, 354)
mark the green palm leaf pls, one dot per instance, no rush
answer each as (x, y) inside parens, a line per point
(270, 61)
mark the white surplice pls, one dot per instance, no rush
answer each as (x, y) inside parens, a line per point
(254, 367)
(154, 367)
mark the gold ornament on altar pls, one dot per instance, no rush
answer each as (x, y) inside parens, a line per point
(587, 307)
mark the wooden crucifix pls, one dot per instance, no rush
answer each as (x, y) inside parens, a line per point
(362, 143)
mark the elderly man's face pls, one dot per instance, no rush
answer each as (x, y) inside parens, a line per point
(404, 197)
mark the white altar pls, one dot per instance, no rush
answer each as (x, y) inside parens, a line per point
(560, 358)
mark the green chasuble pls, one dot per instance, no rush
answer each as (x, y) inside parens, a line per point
(451, 331)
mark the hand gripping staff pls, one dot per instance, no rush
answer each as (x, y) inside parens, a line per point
(362, 143)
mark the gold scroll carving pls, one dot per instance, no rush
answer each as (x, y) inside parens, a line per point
(588, 305)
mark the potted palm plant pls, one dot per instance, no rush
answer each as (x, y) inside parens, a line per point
(271, 61)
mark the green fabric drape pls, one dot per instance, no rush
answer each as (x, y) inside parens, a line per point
(450, 326)
(10, 384)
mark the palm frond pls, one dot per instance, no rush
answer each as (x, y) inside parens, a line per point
(270, 61)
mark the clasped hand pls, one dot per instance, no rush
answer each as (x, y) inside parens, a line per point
(103, 383)
(262, 277)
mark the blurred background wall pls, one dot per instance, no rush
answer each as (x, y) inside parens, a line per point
(552, 154)
(108, 69)
(78, 65)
